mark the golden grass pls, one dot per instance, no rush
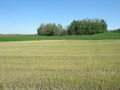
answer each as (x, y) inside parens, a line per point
(60, 65)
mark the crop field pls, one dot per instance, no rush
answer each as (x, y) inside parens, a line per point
(60, 65)
(102, 36)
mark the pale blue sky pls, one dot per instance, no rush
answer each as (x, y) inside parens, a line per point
(25, 16)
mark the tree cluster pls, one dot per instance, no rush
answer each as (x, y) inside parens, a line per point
(116, 30)
(77, 27)
(87, 26)
(51, 30)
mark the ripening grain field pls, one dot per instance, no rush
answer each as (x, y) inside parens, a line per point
(60, 65)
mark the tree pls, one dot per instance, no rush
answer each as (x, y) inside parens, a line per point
(51, 29)
(116, 30)
(87, 26)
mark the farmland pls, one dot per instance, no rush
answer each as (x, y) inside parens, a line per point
(103, 36)
(60, 64)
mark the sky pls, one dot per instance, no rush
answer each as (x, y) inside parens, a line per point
(25, 16)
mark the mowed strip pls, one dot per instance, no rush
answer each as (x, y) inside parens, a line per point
(60, 64)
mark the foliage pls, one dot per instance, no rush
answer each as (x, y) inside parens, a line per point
(77, 27)
(88, 26)
(51, 29)
(116, 30)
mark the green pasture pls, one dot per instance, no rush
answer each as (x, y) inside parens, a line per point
(102, 36)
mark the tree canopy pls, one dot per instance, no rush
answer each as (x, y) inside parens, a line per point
(51, 29)
(77, 27)
(116, 30)
(87, 26)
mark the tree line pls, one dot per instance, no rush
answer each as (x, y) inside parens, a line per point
(77, 27)
(116, 30)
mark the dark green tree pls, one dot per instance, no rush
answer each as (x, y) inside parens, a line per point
(87, 26)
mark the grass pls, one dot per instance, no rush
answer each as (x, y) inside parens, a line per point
(80, 37)
(60, 65)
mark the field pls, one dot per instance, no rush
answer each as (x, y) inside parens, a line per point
(103, 36)
(60, 65)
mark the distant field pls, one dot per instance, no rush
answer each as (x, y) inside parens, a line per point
(60, 64)
(80, 37)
